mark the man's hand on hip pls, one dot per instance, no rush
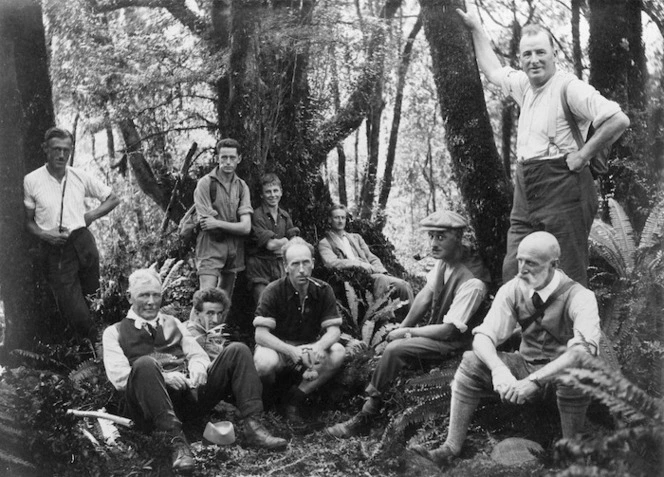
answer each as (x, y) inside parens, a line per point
(575, 161)
(175, 380)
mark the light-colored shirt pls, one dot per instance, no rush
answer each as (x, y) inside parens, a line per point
(117, 365)
(501, 321)
(585, 103)
(43, 193)
(348, 250)
(467, 300)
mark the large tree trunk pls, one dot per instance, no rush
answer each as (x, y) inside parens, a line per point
(26, 111)
(475, 160)
(618, 71)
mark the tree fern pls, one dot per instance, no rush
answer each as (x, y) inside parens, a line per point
(623, 232)
(653, 230)
(603, 241)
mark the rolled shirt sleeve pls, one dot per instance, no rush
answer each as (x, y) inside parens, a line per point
(468, 298)
(330, 314)
(500, 322)
(584, 312)
(245, 201)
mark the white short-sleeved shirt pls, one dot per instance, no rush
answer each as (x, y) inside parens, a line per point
(467, 299)
(43, 193)
(585, 103)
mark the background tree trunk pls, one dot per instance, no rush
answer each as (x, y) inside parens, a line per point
(26, 111)
(396, 118)
(475, 161)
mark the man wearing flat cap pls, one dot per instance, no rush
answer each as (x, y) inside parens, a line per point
(451, 298)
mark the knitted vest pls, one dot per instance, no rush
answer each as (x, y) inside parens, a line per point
(139, 342)
(445, 292)
(547, 337)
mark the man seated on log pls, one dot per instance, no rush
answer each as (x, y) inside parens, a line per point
(559, 322)
(340, 249)
(153, 358)
(297, 324)
(452, 296)
(271, 228)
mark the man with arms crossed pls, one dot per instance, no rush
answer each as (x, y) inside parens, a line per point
(560, 323)
(224, 223)
(554, 188)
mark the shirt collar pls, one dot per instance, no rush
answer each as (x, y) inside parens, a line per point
(141, 322)
(546, 292)
(266, 210)
(311, 289)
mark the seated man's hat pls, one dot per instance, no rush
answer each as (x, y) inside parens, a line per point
(442, 220)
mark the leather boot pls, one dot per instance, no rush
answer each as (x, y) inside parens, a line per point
(255, 434)
(182, 458)
(356, 425)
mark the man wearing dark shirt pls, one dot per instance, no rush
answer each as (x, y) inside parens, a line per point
(291, 315)
(271, 228)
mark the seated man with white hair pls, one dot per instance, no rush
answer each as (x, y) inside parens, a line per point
(559, 322)
(156, 361)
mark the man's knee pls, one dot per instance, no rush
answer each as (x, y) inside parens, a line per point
(335, 356)
(236, 351)
(266, 361)
(145, 365)
(472, 374)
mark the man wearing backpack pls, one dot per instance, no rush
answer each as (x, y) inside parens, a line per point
(224, 222)
(560, 324)
(554, 188)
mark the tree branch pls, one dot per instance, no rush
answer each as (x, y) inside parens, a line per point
(178, 8)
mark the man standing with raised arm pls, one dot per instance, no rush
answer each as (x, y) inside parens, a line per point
(554, 189)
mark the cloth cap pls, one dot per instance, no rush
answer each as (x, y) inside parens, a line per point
(443, 219)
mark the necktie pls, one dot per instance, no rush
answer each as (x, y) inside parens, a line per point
(537, 301)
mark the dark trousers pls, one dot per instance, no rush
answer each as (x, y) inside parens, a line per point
(231, 375)
(72, 272)
(549, 197)
(399, 353)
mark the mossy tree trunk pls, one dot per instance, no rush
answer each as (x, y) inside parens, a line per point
(475, 160)
(618, 71)
(26, 111)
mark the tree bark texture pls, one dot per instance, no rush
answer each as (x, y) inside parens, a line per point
(616, 51)
(576, 41)
(26, 111)
(475, 161)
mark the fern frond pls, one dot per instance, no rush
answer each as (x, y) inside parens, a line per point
(353, 302)
(603, 241)
(13, 460)
(624, 232)
(36, 357)
(368, 331)
(163, 271)
(653, 230)
(86, 370)
(624, 399)
(168, 281)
